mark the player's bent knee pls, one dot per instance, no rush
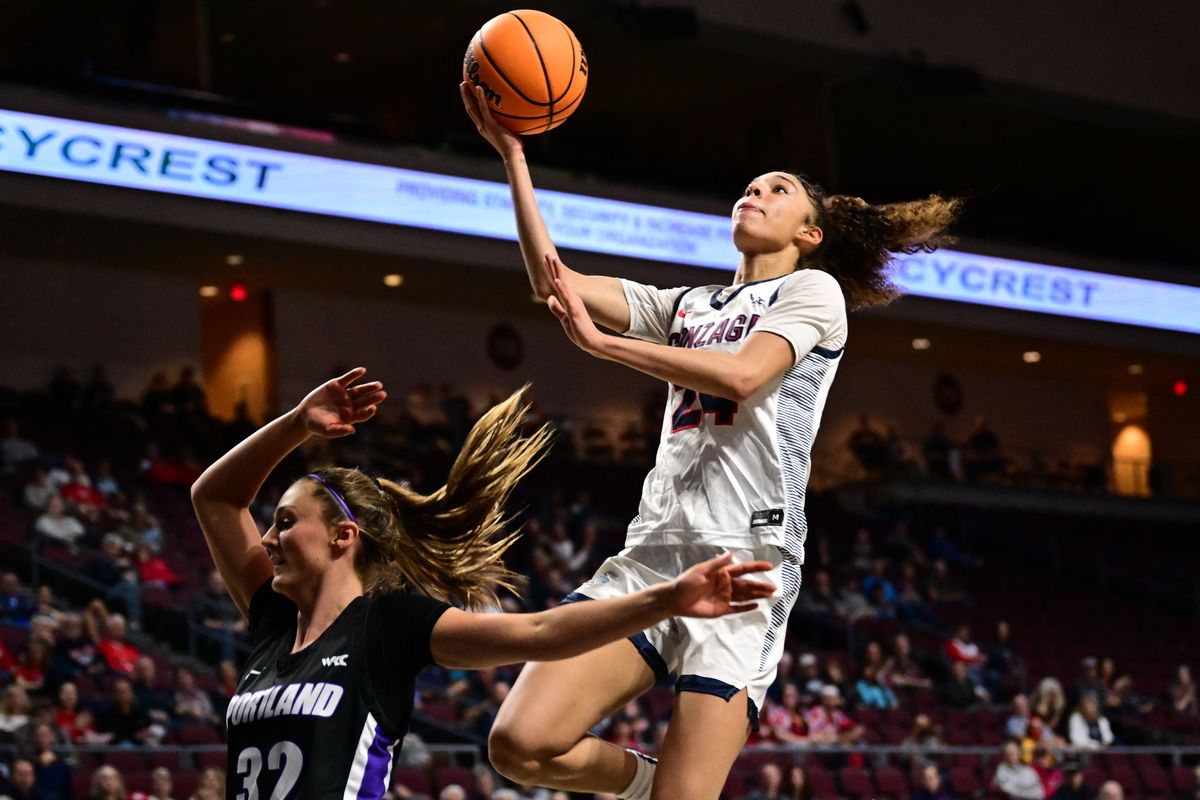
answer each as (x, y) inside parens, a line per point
(520, 755)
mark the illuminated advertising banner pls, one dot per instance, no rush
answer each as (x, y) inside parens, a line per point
(183, 165)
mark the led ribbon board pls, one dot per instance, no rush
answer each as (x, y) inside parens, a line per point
(182, 165)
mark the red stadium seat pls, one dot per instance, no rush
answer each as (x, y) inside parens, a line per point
(212, 758)
(448, 775)
(126, 761)
(964, 782)
(1128, 779)
(1155, 781)
(198, 733)
(1183, 780)
(892, 783)
(185, 782)
(821, 782)
(855, 782)
(736, 783)
(136, 781)
(415, 780)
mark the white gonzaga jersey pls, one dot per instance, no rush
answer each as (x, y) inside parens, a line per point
(733, 474)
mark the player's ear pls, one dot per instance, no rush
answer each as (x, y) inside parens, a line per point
(344, 535)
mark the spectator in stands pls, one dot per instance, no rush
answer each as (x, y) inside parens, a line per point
(47, 606)
(1018, 721)
(66, 707)
(162, 787)
(1110, 790)
(798, 787)
(125, 721)
(872, 692)
(811, 682)
(1183, 691)
(107, 784)
(1016, 780)
(75, 652)
(828, 723)
(941, 587)
(984, 459)
(1073, 787)
(923, 742)
(105, 483)
(851, 604)
(931, 787)
(816, 613)
(39, 490)
(56, 526)
(862, 554)
(901, 670)
(81, 497)
(1089, 730)
(155, 572)
(15, 450)
(22, 782)
(910, 601)
(14, 709)
(941, 453)
(785, 719)
(190, 701)
(453, 792)
(113, 569)
(1088, 684)
(770, 784)
(52, 773)
(962, 649)
(120, 656)
(1003, 670)
(868, 447)
(218, 614)
(158, 703)
(959, 691)
(878, 578)
(212, 779)
(187, 396)
(156, 400)
(1049, 703)
(33, 667)
(16, 606)
(940, 547)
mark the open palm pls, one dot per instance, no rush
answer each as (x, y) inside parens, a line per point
(714, 588)
(335, 407)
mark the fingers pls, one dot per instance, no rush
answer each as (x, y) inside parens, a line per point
(556, 307)
(372, 399)
(745, 590)
(717, 562)
(468, 99)
(365, 388)
(742, 608)
(351, 376)
(365, 413)
(750, 566)
(338, 431)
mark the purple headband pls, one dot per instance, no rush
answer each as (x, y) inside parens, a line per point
(334, 494)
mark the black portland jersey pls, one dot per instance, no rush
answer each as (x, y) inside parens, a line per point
(325, 722)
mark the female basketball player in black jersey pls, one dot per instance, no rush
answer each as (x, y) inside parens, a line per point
(326, 695)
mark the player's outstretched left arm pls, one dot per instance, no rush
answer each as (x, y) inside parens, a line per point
(712, 588)
(734, 376)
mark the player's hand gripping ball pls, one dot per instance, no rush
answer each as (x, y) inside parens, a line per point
(531, 68)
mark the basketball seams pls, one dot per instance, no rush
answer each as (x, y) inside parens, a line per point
(542, 63)
(540, 116)
(574, 62)
(492, 63)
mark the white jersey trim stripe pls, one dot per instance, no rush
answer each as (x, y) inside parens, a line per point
(359, 767)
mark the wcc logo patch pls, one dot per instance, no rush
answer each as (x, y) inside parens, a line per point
(335, 661)
(769, 516)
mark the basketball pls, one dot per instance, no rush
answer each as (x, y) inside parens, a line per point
(531, 68)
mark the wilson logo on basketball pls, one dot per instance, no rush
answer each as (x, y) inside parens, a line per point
(472, 67)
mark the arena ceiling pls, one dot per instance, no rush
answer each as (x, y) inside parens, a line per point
(672, 102)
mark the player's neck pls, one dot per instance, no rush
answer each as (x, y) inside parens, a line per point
(764, 266)
(316, 613)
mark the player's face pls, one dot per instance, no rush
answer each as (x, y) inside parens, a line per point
(298, 541)
(773, 211)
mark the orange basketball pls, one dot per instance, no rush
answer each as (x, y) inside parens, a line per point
(531, 67)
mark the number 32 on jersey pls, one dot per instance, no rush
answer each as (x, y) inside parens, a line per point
(693, 406)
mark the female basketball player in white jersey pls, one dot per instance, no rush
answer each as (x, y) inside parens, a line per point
(749, 367)
(326, 694)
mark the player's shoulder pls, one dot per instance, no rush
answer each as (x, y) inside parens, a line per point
(812, 279)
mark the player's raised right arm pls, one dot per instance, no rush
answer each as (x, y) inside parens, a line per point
(602, 295)
(222, 495)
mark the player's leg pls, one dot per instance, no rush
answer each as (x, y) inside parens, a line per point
(704, 738)
(540, 736)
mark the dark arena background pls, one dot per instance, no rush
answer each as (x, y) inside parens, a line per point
(207, 208)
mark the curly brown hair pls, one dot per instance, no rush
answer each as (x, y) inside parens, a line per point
(450, 543)
(860, 239)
